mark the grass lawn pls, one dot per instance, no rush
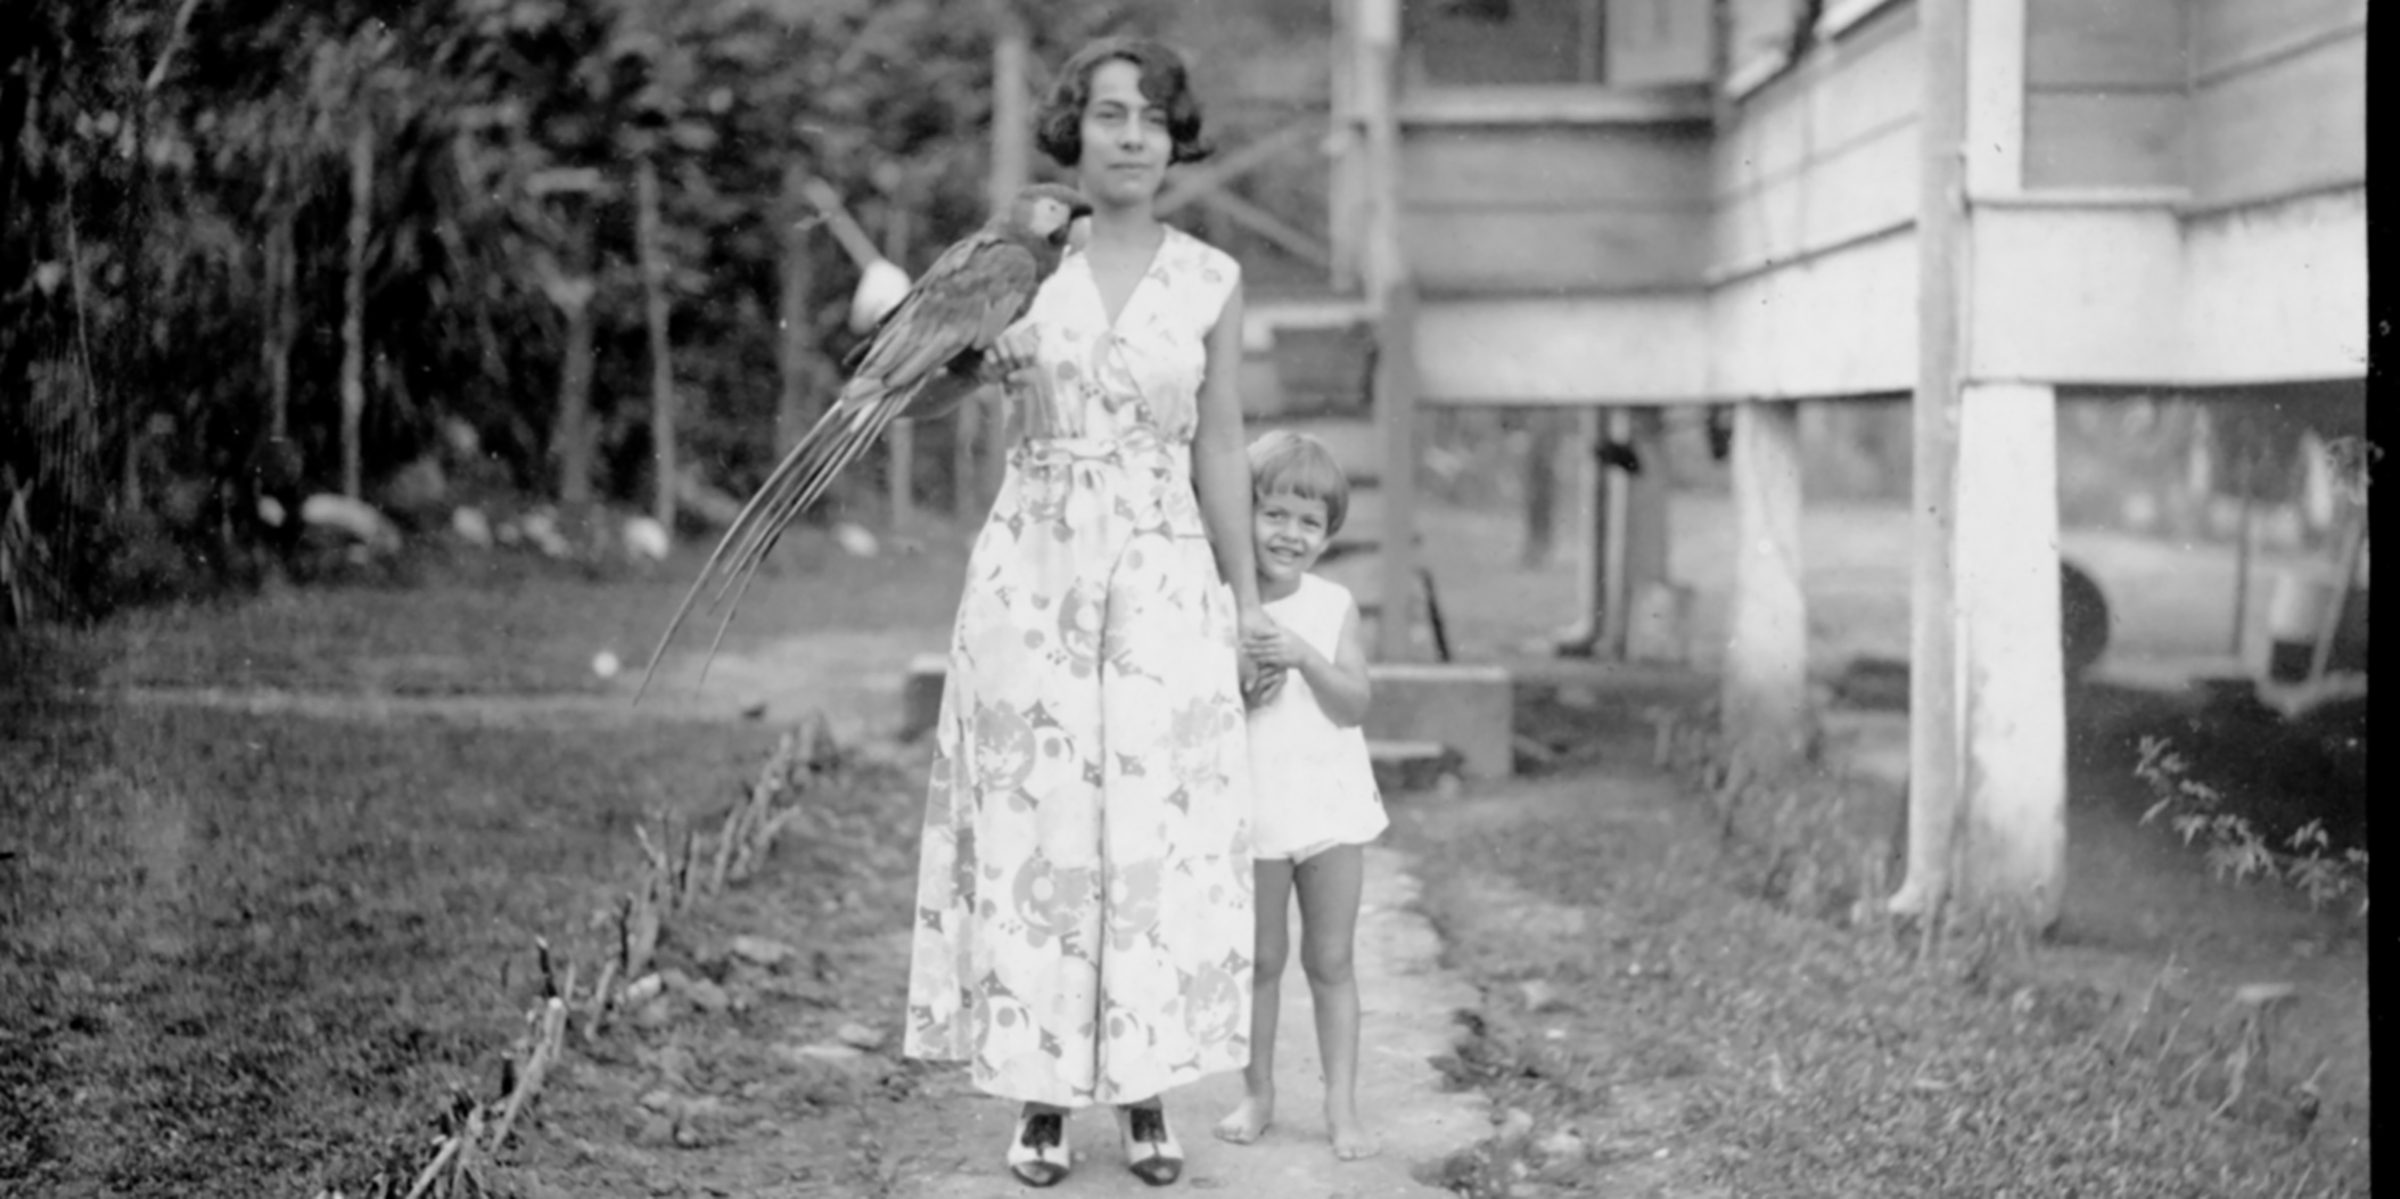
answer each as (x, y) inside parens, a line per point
(1698, 1040)
(271, 871)
(246, 951)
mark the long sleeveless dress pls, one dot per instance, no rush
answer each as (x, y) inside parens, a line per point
(1084, 930)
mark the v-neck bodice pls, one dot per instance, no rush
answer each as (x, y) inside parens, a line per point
(1140, 374)
(1091, 272)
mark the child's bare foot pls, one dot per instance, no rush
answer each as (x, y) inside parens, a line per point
(1248, 1121)
(1351, 1141)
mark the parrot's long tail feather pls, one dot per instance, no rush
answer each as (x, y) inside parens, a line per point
(820, 458)
(837, 440)
(848, 444)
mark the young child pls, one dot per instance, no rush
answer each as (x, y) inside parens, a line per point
(1316, 802)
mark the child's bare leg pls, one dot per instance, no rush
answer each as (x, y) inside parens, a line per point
(1329, 885)
(1273, 903)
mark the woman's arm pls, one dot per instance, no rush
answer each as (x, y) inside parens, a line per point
(1221, 466)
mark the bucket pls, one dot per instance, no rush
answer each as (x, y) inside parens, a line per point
(2295, 609)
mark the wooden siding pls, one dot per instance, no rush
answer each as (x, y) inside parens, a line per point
(1839, 324)
(2227, 33)
(1561, 251)
(2105, 99)
(2282, 124)
(2105, 139)
(1823, 156)
(1581, 350)
(2278, 292)
(1550, 209)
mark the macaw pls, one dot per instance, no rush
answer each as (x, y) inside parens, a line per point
(927, 354)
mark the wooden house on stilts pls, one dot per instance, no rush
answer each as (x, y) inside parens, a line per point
(1622, 206)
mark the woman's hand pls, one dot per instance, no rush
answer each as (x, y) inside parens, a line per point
(1264, 684)
(1015, 357)
(1023, 383)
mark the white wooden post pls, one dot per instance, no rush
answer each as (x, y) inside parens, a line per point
(2014, 850)
(1933, 732)
(1386, 276)
(1971, 138)
(1766, 711)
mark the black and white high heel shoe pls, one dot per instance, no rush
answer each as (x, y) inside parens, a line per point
(1038, 1157)
(1150, 1149)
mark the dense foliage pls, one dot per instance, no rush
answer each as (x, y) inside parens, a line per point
(177, 262)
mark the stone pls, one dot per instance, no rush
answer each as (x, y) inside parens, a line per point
(765, 951)
(658, 1013)
(1516, 1124)
(655, 1130)
(822, 1053)
(1562, 1147)
(1541, 995)
(707, 996)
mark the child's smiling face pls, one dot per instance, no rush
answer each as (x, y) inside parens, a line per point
(1288, 534)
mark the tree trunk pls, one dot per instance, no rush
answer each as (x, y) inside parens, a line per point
(1012, 153)
(571, 440)
(1766, 709)
(662, 367)
(2012, 857)
(354, 307)
(283, 321)
(900, 478)
(794, 351)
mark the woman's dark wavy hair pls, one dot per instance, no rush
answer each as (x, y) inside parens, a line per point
(1058, 128)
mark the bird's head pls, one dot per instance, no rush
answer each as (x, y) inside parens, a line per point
(1046, 211)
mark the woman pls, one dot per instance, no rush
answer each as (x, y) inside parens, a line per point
(1083, 929)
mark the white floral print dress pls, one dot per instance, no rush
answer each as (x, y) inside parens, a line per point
(1083, 928)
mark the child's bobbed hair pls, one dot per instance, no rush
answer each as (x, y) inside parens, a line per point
(1285, 461)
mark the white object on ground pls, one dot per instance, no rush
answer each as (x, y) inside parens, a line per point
(271, 511)
(604, 664)
(463, 439)
(541, 528)
(855, 539)
(645, 538)
(354, 517)
(471, 527)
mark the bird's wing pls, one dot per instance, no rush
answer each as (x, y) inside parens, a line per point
(976, 289)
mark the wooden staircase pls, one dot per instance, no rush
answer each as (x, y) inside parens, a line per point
(1309, 368)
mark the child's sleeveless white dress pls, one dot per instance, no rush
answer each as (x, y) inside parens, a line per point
(1313, 784)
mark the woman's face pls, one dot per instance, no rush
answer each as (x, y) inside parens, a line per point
(1125, 140)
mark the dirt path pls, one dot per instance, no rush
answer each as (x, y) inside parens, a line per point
(855, 679)
(715, 1103)
(1408, 1001)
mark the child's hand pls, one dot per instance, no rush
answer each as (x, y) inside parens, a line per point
(1273, 645)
